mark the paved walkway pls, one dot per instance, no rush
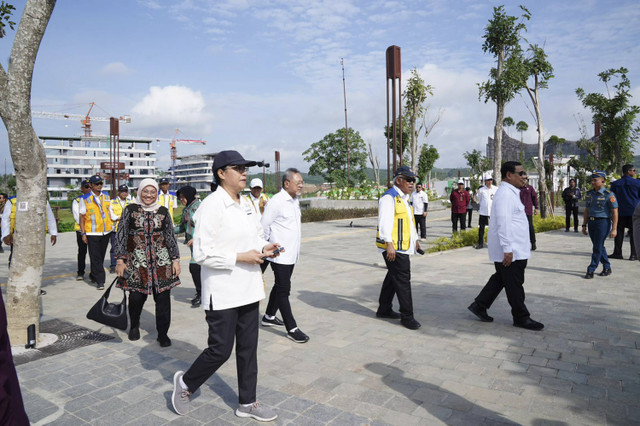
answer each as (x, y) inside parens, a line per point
(583, 368)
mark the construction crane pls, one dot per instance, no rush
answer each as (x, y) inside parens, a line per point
(174, 150)
(84, 119)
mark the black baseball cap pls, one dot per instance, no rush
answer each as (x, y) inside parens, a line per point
(85, 182)
(230, 158)
(123, 188)
(95, 179)
(164, 180)
(404, 171)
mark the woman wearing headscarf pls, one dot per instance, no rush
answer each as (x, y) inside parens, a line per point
(148, 259)
(228, 243)
(187, 196)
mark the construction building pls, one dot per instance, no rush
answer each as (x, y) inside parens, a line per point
(194, 170)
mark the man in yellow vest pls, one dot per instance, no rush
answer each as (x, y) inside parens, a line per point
(167, 198)
(397, 239)
(258, 198)
(95, 227)
(85, 188)
(116, 207)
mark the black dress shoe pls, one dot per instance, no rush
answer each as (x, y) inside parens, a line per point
(605, 273)
(566, 230)
(575, 230)
(134, 334)
(633, 257)
(410, 323)
(479, 246)
(390, 315)
(529, 324)
(480, 312)
(589, 275)
(164, 341)
(616, 256)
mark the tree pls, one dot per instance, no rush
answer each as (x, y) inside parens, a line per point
(522, 127)
(29, 162)
(414, 96)
(537, 73)
(375, 165)
(502, 39)
(508, 122)
(428, 156)
(406, 136)
(329, 157)
(478, 164)
(616, 117)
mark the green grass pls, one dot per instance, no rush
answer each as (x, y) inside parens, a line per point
(469, 238)
(66, 222)
(319, 215)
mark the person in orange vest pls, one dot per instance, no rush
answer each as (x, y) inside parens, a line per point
(96, 226)
(85, 188)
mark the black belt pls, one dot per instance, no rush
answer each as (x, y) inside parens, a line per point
(597, 218)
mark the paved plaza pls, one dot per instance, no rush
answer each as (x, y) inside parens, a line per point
(582, 369)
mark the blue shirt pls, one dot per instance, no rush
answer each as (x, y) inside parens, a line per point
(627, 190)
(600, 203)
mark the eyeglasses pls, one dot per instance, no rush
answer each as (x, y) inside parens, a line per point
(238, 168)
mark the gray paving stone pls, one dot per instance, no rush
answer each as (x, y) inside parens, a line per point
(322, 413)
(295, 404)
(68, 419)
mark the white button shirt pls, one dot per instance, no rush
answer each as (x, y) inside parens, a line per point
(52, 226)
(485, 199)
(281, 224)
(224, 228)
(418, 199)
(386, 213)
(509, 230)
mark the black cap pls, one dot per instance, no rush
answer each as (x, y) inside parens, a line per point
(85, 182)
(163, 181)
(123, 188)
(404, 171)
(230, 158)
(95, 179)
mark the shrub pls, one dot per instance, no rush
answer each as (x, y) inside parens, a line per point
(319, 215)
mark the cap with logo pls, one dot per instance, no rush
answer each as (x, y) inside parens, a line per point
(95, 179)
(599, 174)
(123, 188)
(404, 171)
(163, 181)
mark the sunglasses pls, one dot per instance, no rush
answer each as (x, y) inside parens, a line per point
(522, 173)
(408, 179)
(99, 183)
(86, 186)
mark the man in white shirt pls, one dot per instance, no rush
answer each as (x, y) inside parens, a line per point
(397, 239)
(281, 223)
(509, 249)
(258, 199)
(420, 203)
(485, 200)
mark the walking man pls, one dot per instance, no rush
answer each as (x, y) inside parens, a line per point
(627, 190)
(397, 239)
(116, 207)
(485, 201)
(258, 198)
(96, 226)
(529, 198)
(85, 188)
(281, 223)
(167, 198)
(459, 200)
(3, 200)
(601, 215)
(509, 250)
(420, 204)
(571, 195)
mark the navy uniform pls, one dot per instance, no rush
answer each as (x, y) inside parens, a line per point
(601, 209)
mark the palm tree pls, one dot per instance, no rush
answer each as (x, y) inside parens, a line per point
(522, 127)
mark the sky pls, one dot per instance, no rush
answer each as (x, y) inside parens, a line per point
(260, 76)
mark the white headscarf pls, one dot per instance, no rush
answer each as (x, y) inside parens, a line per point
(152, 207)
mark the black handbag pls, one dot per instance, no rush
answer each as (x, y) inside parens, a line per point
(110, 314)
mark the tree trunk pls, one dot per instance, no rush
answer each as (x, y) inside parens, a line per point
(545, 208)
(497, 129)
(414, 140)
(29, 161)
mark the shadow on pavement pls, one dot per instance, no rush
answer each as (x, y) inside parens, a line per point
(335, 302)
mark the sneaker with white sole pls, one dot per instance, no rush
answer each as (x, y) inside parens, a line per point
(180, 396)
(298, 336)
(275, 322)
(257, 411)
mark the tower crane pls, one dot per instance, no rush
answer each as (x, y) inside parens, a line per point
(84, 119)
(174, 149)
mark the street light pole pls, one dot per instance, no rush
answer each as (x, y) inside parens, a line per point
(346, 127)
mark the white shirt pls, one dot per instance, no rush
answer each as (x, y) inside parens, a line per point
(281, 223)
(6, 220)
(75, 208)
(256, 204)
(485, 199)
(386, 213)
(509, 230)
(418, 199)
(224, 228)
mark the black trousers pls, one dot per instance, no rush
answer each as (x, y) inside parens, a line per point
(97, 245)
(469, 215)
(483, 221)
(163, 309)
(194, 270)
(240, 323)
(397, 282)
(568, 211)
(112, 250)
(421, 225)
(623, 223)
(82, 253)
(455, 217)
(279, 296)
(511, 278)
(532, 232)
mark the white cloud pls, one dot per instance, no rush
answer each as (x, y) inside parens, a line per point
(116, 68)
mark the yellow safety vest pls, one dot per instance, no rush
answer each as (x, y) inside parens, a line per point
(97, 218)
(12, 217)
(263, 202)
(402, 224)
(117, 209)
(171, 197)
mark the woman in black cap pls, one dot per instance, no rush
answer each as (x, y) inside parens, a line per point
(228, 244)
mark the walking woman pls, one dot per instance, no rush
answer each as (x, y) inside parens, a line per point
(148, 259)
(187, 196)
(228, 243)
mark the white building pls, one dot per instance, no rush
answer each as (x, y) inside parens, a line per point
(194, 170)
(72, 158)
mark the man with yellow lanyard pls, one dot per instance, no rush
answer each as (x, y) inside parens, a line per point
(396, 240)
(116, 207)
(167, 198)
(258, 198)
(85, 188)
(95, 227)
